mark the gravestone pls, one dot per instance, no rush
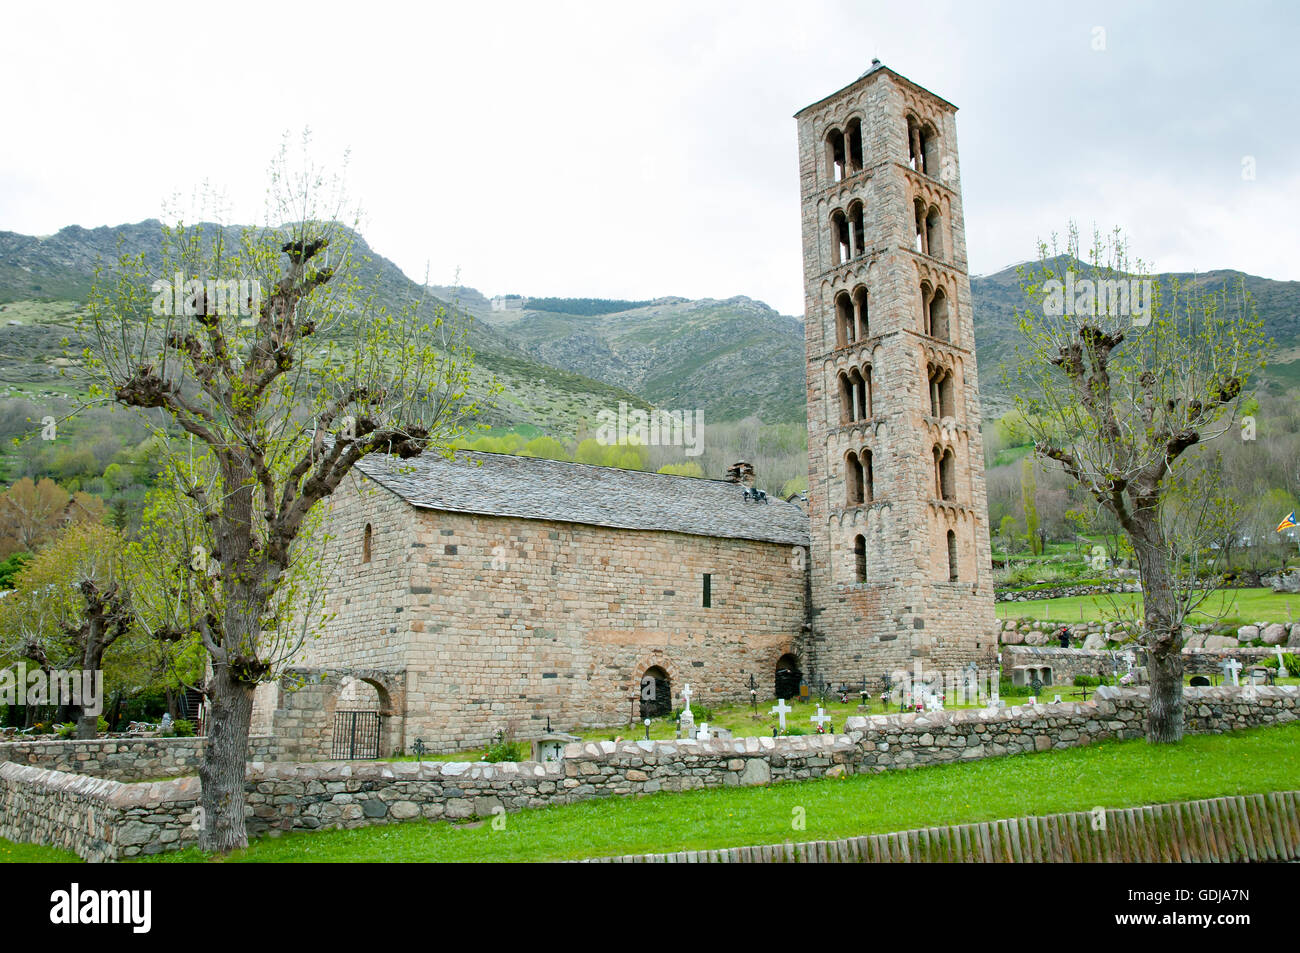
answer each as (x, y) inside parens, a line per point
(687, 721)
(821, 718)
(1232, 668)
(1281, 666)
(781, 709)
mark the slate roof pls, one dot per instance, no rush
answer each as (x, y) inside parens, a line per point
(529, 488)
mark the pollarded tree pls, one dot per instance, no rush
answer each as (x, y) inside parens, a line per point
(1119, 378)
(70, 606)
(272, 350)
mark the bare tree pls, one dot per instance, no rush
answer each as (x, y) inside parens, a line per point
(274, 351)
(1118, 381)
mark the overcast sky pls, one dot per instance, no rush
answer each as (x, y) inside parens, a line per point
(636, 150)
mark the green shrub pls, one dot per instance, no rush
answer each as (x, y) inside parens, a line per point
(1084, 681)
(183, 728)
(66, 731)
(505, 749)
(1291, 662)
(1006, 689)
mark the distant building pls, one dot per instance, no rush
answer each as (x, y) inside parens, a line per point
(508, 303)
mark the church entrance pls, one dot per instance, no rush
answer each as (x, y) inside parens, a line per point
(656, 693)
(788, 676)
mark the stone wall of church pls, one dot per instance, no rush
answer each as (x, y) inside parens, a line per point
(514, 621)
(366, 600)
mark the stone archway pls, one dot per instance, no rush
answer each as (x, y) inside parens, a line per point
(787, 676)
(655, 673)
(310, 698)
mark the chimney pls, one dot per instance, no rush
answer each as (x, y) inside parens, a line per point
(742, 473)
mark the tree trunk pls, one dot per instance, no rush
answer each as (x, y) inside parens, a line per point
(224, 757)
(1163, 636)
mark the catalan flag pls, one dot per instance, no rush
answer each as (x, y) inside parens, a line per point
(1287, 522)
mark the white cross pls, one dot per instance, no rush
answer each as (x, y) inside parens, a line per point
(821, 717)
(1233, 666)
(704, 731)
(781, 710)
(686, 695)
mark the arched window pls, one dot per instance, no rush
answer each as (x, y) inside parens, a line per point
(868, 477)
(941, 393)
(860, 392)
(853, 479)
(918, 224)
(934, 233)
(952, 556)
(930, 161)
(860, 312)
(853, 141)
(857, 230)
(839, 238)
(365, 543)
(945, 474)
(927, 292)
(835, 157)
(860, 559)
(845, 333)
(923, 147)
(846, 399)
(939, 315)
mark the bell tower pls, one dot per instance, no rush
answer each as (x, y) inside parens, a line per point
(900, 561)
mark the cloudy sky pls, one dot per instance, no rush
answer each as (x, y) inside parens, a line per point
(634, 150)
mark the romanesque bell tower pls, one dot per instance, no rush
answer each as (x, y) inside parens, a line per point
(900, 566)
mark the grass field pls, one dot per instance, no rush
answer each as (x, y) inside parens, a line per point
(1228, 607)
(1108, 774)
(738, 719)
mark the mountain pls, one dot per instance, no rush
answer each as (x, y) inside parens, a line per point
(731, 359)
(44, 282)
(563, 359)
(996, 297)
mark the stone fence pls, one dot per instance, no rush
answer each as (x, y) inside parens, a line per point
(106, 820)
(124, 759)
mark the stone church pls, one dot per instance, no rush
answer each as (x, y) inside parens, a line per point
(496, 593)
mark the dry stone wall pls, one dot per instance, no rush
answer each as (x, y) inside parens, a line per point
(125, 759)
(105, 820)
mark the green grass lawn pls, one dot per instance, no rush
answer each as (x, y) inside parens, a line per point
(11, 853)
(1228, 607)
(738, 719)
(1108, 774)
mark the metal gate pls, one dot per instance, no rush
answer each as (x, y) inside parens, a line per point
(356, 735)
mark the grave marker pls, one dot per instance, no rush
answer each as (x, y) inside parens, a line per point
(781, 709)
